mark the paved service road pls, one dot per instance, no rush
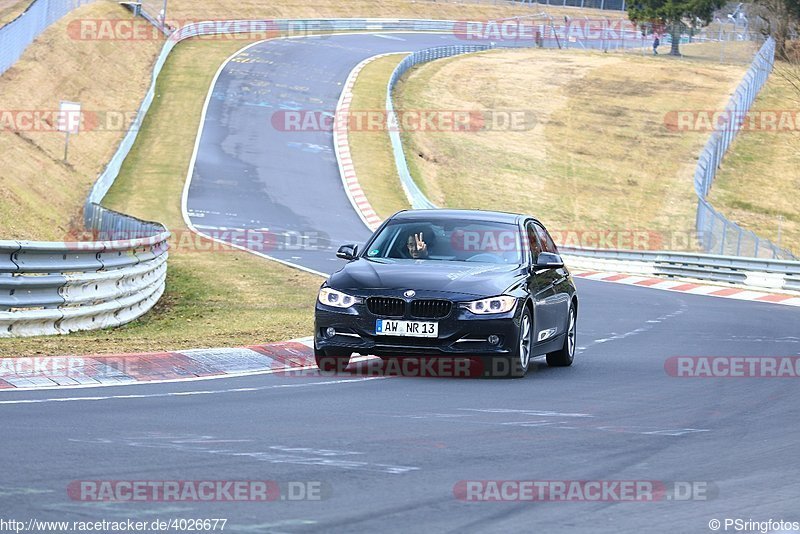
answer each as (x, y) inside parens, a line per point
(387, 453)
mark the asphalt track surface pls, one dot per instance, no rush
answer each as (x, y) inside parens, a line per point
(388, 452)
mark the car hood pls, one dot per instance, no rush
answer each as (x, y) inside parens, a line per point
(478, 279)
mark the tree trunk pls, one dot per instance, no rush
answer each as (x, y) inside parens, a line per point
(780, 48)
(675, 32)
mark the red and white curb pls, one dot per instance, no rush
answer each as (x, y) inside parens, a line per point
(341, 147)
(288, 358)
(690, 287)
(48, 372)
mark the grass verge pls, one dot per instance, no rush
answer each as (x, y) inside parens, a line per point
(370, 147)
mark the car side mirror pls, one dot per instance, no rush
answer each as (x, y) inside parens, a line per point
(347, 252)
(548, 260)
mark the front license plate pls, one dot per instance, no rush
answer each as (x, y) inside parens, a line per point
(390, 327)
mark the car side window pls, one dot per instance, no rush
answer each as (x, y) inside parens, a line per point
(547, 242)
(533, 242)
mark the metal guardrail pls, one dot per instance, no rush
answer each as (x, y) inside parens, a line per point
(754, 272)
(56, 288)
(414, 194)
(18, 34)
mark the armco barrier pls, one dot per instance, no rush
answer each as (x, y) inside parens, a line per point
(57, 288)
(415, 196)
(753, 272)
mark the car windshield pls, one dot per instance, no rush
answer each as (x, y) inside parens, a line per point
(449, 240)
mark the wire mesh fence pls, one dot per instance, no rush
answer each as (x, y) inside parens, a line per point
(21, 32)
(719, 235)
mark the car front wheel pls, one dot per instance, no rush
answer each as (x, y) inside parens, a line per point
(565, 356)
(516, 365)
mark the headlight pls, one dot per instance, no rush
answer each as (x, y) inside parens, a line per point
(337, 299)
(501, 304)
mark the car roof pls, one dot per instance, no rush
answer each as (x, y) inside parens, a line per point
(471, 215)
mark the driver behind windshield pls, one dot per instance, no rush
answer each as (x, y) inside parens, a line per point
(413, 243)
(416, 246)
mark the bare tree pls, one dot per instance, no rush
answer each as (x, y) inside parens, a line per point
(778, 18)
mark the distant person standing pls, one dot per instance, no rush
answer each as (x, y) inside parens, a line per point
(656, 43)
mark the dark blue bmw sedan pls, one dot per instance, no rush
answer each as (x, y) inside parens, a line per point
(450, 283)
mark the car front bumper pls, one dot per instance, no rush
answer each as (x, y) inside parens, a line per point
(460, 334)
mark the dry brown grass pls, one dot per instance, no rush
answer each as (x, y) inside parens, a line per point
(726, 52)
(600, 155)
(760, 178)
(39, 194)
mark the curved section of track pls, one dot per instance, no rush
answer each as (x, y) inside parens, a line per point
(249, 175)
(391, 450)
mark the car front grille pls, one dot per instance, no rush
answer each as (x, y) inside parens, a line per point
(420, 309)
(430, 309)
(386, 306)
